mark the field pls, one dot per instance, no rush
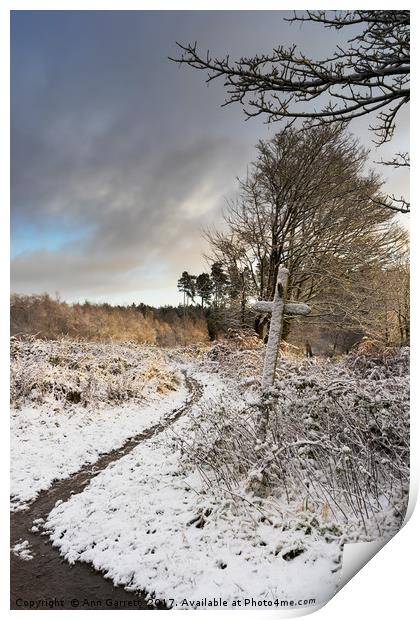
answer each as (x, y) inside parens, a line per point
(192, 504)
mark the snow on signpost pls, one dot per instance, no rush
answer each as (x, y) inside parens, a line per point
(278, 308)
(257, 479)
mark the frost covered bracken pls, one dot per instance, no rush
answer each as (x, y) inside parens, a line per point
(337, 439)
(65, 373)
(172, 536)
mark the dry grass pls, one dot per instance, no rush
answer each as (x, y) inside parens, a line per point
(66, 373)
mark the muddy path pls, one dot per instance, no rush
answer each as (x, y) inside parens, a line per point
(48, 580)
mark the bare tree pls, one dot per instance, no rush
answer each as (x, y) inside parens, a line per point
(370, 300)
(304, 205)
(369, 76)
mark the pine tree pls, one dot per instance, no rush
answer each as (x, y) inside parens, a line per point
(204, 286)
(220, 281)
(186, 285)
(183, 284)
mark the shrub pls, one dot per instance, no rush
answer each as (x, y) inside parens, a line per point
(337, 439)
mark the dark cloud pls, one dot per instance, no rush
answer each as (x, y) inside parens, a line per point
(145, 214)
(113, 141)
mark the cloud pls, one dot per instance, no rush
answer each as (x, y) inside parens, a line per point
(119, 157)
(147, 219)
(110, 138)
(98, 146)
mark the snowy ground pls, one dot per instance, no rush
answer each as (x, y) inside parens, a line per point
(48, 445)
(175, 517)
(51, 435)
(142, 527)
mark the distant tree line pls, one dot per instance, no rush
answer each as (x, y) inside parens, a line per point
(44, 317)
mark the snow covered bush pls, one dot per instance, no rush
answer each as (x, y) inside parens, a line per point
(337, 440)
(65, 373)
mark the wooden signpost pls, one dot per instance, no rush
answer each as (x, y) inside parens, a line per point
(278, 308)
(257, 478)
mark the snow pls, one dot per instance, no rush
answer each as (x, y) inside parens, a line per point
(47, 445)
(23, 550)
(140, 528)
(174, 517)
(276, 326)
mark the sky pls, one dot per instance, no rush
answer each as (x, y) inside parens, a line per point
(120, 158)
